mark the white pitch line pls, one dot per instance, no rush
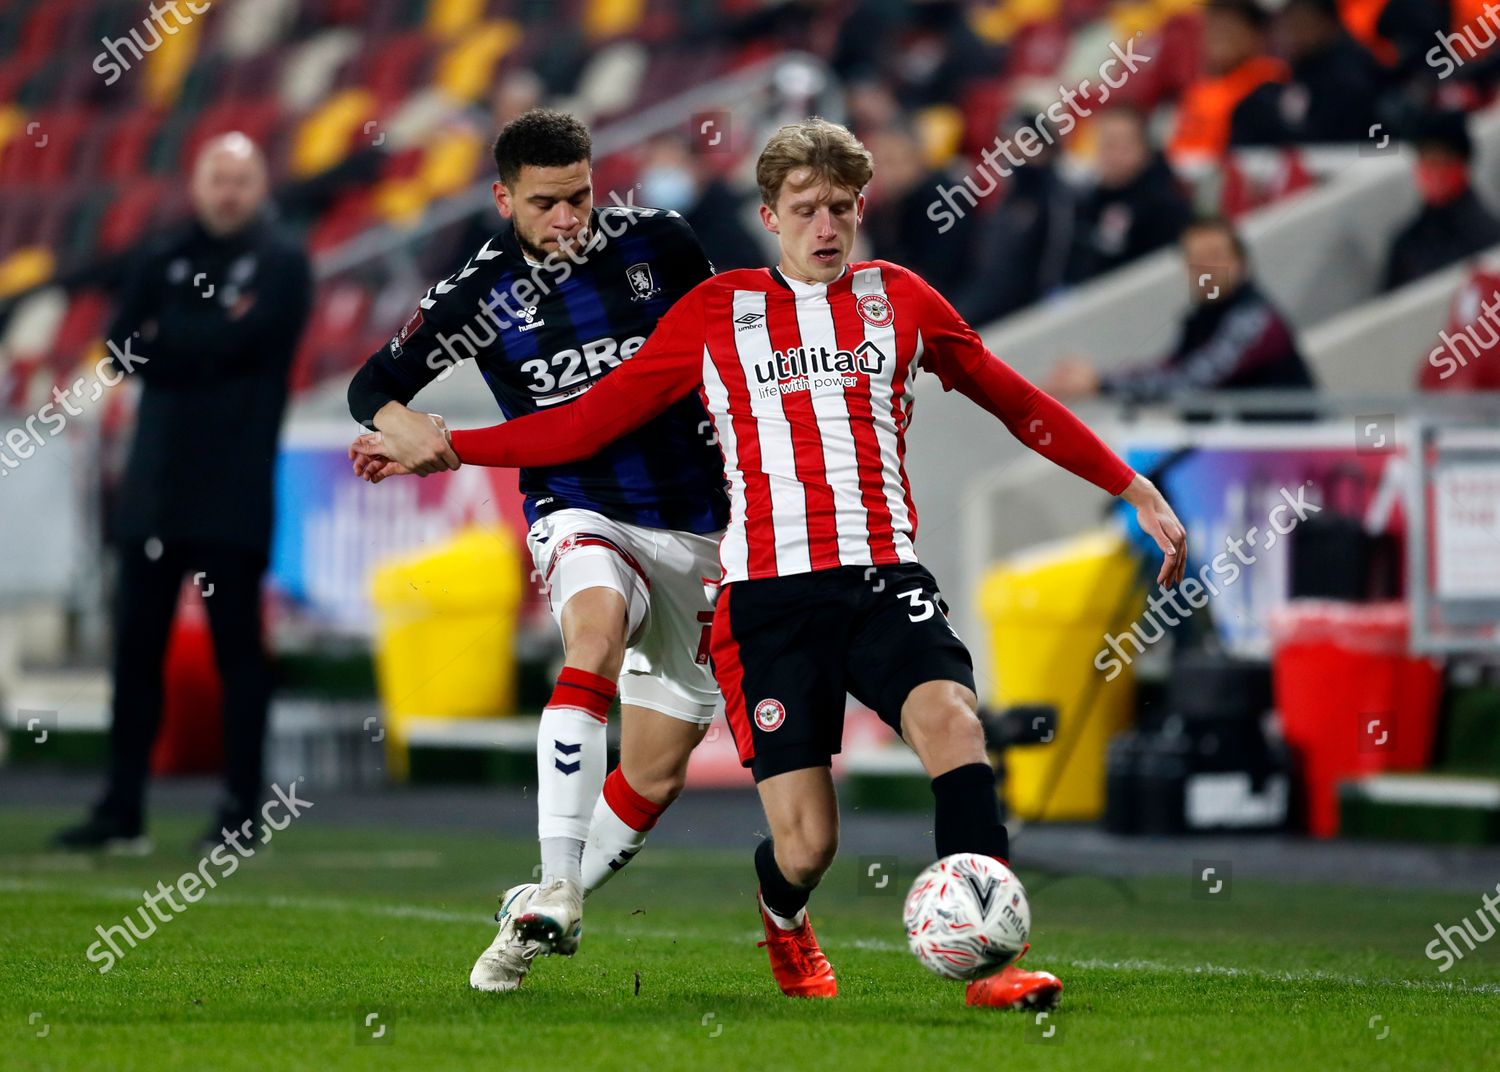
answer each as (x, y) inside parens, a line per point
(873, 945)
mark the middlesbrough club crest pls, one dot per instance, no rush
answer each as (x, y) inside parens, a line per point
(875, 310)
(769, 715)
(642, 285)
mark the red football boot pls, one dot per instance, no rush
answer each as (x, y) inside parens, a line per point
(801, 969)
(1016, 988)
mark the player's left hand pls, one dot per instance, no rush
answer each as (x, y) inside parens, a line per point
(371, 464)
(1158, 521)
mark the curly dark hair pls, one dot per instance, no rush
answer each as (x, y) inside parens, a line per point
(541, 138)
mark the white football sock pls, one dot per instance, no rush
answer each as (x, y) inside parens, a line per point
(612, 844)
(570, 757)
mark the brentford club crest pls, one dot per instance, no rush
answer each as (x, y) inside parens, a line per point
(875, 310)
(769, 715)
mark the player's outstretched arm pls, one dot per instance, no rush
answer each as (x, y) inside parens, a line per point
(668, 368)
(953, 350)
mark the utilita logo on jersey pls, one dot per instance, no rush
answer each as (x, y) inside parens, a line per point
(807, 369)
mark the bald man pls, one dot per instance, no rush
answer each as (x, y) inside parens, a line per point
(208, 322)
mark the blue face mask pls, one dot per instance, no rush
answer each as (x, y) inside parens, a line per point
(668, 187)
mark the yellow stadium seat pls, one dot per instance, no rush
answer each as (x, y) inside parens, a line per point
(401, 201)
(324, 137)
(1128, 20)
(449, 18)
(450, 162)
(12, 119)
(168, 65)
(25, 268)
(467, 70)
(941, 130)
(610, 18)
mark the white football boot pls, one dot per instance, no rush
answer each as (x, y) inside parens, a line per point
(505, 963)
(554, 917)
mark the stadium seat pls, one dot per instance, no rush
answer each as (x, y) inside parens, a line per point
(325, 137)
(24, 269)
(308, 73)
(467, 70)
(448, 19)
(32, 327)
(250, 29)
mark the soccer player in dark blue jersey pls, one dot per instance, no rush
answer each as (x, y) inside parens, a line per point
(625, 541)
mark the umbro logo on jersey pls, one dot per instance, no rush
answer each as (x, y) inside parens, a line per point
(748, 321)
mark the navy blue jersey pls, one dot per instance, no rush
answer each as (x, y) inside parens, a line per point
(543, 334)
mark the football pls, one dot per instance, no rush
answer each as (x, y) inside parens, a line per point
(967, 916)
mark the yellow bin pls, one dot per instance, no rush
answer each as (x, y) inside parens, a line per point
(445, 633)
(1048, 610)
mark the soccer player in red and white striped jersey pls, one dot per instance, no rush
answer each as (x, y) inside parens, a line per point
(806, 370)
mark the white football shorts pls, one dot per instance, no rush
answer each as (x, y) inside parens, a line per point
(664, 577)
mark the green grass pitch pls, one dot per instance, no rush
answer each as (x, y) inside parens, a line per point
(280, 966)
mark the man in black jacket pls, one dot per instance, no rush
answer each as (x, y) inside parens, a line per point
(1331, 97)
(211, 316)
(1453, 223)
(1135, 208)
(1232, 336)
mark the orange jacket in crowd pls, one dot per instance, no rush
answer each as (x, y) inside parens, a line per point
(1209, 103)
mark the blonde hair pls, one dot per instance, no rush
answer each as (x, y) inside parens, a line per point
(832, 154)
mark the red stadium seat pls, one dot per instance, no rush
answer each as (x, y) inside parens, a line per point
(131, 214)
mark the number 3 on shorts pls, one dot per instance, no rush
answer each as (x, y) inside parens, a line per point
(921, 607)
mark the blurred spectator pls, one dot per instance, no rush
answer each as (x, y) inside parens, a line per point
(924, 49)
(1135, 206)
(1331, 97)
(896, 221)
(1232, 336)
(872, 107)
(1021, 251)
(1453, 222)
(1467, 357)
(1236, 62)
(517, 92)
(674, 177)
(210, 316)
(1448, 44)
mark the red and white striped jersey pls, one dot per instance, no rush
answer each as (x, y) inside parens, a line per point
(809, 389)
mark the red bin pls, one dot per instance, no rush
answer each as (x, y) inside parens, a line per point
(1351, 697)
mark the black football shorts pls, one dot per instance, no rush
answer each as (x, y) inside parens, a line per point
(786, 650)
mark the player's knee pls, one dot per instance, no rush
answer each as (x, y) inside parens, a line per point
(660, 787)
(596, 650)
(946, 721)
(804, 861)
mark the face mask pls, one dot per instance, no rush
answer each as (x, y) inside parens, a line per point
(1439, 182)
(668, 187)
